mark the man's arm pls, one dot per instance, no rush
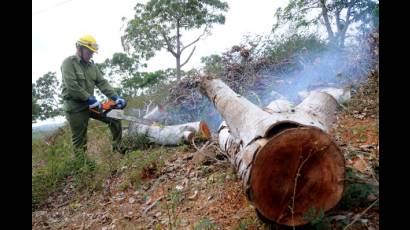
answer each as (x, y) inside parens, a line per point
(103, 85)
(74, 90)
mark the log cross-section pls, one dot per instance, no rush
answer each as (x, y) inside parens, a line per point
(287, 162)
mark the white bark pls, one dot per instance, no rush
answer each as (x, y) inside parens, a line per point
(320, 108)
(341, 95)
(246, 120)
(279, 106)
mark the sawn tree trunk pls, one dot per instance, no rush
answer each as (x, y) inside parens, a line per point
(287, 162)
(173, 134)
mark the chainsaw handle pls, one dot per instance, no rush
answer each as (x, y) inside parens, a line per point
(108, 105)
(105, 108)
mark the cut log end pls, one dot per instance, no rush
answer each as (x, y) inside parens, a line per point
(297, 170)
(204, 132)
(188, 135)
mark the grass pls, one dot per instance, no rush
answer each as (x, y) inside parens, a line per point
(53, 163)
(36, 135)
(249, 223)
(172, 200)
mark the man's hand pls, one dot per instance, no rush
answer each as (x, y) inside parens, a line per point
(119, 102)
(93, 103)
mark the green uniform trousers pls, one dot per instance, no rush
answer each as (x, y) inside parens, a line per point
(79, 122)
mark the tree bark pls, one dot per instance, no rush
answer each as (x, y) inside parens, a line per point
(341, 95)
(178, 56)
(327, 22)
(173, 134)
(287, 162)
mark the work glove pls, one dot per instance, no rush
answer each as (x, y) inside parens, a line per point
(93, 103)
(120, 103)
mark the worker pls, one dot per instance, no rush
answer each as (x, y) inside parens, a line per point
(80, 75)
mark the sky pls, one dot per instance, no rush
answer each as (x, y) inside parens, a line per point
(57, 24)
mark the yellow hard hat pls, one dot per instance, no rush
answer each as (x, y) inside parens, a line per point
(89, 42)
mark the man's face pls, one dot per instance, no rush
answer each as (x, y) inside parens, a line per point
(87, 54)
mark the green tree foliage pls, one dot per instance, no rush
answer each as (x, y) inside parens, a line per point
(160, 24)
(45, 94)
(123, 72)
(141, 80)
(284, 47)
(213, 64)
(335, 15)
(35, 107)
(119, 67)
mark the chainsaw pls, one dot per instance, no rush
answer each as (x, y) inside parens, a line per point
(110, 110)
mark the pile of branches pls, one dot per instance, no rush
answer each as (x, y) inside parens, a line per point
(184, 101)
(240, 70)
(240, 67)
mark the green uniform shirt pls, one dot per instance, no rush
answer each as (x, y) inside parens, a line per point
(79, 80)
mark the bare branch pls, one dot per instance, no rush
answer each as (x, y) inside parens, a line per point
(149, 104)
(145, 210)
(357, 217)
(196, 40)
(189, 57)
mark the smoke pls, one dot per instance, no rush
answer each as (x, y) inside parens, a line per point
(308, 70)
(200, 110)
(342, 69)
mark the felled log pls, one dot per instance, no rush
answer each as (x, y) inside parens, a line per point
(171, 135)
(288, 164)
(341, 95)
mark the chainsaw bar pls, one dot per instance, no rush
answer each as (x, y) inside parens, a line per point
(119, 114)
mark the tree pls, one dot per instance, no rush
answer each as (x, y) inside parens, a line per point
(35, 108)
(160, 24)
(45, 94)
(336, 15)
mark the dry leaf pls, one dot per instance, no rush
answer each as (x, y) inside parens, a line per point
(360, 164)
(194, 195)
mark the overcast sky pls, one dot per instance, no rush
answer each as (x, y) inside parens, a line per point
(57, 24)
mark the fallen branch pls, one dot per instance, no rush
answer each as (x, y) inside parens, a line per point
(152, 205)
(361, 214)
